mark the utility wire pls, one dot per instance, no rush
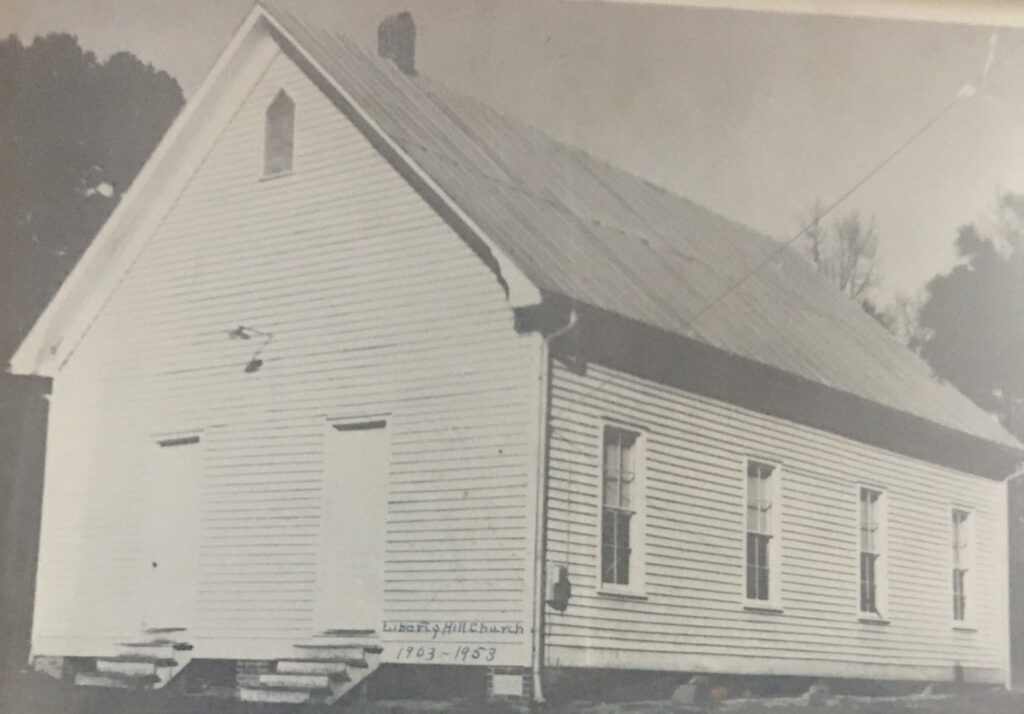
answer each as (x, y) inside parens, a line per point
(967, 91)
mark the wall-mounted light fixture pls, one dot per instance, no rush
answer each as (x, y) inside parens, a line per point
(243, 332)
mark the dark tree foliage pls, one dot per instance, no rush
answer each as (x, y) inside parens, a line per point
(974, 316)
(74, 132)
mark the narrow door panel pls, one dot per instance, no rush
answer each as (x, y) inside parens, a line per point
(356, 469)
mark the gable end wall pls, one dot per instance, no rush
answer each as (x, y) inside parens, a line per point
(376, 307)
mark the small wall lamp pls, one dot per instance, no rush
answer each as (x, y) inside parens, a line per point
(242, 332)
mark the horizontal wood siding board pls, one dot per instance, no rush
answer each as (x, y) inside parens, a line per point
(668, 358)
(693, 604)
(379, 312)
(437, 202)
(585, 656)
(625, 245)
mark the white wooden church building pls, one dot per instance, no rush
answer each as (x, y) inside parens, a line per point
(364, 373)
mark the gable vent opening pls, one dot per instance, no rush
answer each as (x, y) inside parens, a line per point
(279, 141)
(396, 41)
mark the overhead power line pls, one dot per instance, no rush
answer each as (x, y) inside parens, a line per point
(965, 92)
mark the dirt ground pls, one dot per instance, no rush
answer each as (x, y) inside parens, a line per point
(22, 693)
(990, 702)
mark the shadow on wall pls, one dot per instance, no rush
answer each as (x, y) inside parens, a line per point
(1016, 505)
(23, 410)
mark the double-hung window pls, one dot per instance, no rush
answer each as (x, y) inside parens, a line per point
(762, 537)
(619, 502)
(962, 547)
(872, 552)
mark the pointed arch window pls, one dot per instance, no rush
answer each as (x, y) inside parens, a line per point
(279, 142)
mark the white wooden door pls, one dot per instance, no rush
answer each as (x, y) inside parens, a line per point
(172, 557)
(353, 526)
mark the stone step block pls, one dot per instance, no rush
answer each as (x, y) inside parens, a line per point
(295, 681)
(311, 666)
(275, 695)
(115, 680)
(128, 667)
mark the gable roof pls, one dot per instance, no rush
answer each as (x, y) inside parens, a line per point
(557, 220)
(583, 229)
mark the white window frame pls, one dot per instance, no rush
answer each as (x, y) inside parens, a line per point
(638, 526)
(774, 601)
(882, 560)
(970, 582)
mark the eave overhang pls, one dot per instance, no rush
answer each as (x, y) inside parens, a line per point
(676, 361)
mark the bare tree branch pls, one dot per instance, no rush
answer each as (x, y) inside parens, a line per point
(844, 252)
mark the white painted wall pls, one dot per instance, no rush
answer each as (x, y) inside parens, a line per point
(376, 307)
(692, 615)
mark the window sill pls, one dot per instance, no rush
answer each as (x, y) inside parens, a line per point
(622, 594)
(767, 608)
(872, 620)
(278, 175)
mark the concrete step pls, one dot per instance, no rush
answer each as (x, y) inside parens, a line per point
(349, 647)
(152, 650)
(329, 648)
(326, 641)
(128, 667)
(343, 632)
(159, 642)
(298, 681)
(326, 666)
(307, 666)
(115, 680)
(158, 661)
(278, 695)
(349, 662)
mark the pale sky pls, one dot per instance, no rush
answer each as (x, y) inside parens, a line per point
(754, 115)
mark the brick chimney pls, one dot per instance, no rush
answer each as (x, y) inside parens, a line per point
(396, 41)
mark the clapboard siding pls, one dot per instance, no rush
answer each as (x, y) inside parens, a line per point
(376, 308)
(692, 617)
